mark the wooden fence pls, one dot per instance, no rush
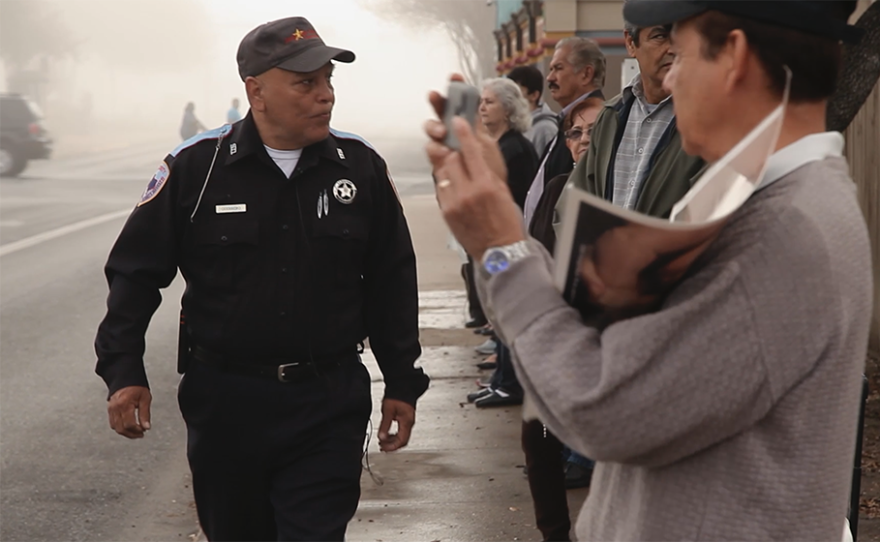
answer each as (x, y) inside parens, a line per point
(863, 153)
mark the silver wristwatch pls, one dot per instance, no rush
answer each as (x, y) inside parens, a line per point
(498, 259)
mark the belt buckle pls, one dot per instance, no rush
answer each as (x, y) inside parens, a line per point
(281, 374)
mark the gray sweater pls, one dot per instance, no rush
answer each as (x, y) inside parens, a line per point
(545, 126)
(729, 414)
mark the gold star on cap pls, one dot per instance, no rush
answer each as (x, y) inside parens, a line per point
(298, 35)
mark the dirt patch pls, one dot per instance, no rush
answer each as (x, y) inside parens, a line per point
(869, 506)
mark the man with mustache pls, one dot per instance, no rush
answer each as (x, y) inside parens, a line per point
(577, 72)
(294, 248)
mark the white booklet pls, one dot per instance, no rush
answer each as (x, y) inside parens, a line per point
(612, 263)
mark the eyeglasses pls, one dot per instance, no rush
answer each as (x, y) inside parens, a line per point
(576, 133)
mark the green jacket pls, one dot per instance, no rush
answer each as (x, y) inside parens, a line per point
(670, 176)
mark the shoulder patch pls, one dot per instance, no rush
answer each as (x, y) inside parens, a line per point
(216, 133)
(156, 183)
(352, 137)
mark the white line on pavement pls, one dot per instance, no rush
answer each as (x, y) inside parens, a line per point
(27, 242)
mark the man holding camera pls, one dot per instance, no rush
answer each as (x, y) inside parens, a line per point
(730, 412)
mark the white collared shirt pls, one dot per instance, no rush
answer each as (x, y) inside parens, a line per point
(811, 148)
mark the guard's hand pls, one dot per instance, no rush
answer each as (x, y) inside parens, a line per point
(129, 410)
(405, 416)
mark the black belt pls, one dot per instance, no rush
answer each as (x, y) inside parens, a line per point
(285, 371)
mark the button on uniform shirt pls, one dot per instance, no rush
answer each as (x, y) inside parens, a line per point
(644, 128)
(277, 266)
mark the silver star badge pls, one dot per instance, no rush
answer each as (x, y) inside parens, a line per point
(344, 191)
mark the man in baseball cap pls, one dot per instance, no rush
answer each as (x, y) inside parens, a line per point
(291, 44)
(295, 251)
(287, 68)
(822, 18)
(803, 36)
(729, 412)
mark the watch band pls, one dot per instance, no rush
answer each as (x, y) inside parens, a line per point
(499, 259)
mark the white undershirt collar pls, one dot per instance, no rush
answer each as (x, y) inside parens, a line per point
(811, 148)
(285, 160)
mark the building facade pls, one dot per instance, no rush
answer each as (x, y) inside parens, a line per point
(527, 31)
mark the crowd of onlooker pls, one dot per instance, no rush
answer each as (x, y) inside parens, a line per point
(540, 149)
(659, 438)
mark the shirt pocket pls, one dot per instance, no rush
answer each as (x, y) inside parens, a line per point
(224, 249)
(339, 246)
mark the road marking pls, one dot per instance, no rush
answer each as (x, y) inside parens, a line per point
(27, 242)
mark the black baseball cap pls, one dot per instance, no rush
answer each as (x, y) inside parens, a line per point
(821, 18)
(291, 44)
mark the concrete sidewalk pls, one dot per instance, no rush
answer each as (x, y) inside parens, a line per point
(461, 476)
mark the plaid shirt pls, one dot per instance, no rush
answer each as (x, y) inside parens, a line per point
(644, 128)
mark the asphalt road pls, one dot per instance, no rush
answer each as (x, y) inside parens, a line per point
(65, 474)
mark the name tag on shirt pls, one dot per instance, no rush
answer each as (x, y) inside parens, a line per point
(236, 208)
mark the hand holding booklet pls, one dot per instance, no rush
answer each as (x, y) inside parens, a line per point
(612, 263)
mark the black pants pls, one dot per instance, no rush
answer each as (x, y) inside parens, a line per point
(546, 481)
(475, 308)
(504, 376)
(273, 460)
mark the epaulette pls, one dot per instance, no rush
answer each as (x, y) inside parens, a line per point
(353, 137)
(216, 133)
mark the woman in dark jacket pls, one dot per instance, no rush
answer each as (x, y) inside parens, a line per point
(505, 114)
(578, 125)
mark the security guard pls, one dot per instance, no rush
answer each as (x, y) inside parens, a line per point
(294, 248)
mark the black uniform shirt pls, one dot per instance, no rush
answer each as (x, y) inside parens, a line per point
(300, 268)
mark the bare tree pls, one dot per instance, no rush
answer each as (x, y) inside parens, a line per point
(159, 36)
(469, 24)
(861, 69)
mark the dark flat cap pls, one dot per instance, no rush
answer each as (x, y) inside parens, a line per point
(820, 18)
(291, 44)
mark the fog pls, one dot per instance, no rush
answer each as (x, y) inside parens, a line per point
(132, 65)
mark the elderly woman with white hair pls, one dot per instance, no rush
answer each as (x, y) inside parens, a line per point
(505, 114)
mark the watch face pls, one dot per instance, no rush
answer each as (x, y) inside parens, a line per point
(496, 262)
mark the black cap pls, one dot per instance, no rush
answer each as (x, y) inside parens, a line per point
(822, 18)
(291, 44)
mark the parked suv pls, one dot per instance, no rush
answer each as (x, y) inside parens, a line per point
(22, 136)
